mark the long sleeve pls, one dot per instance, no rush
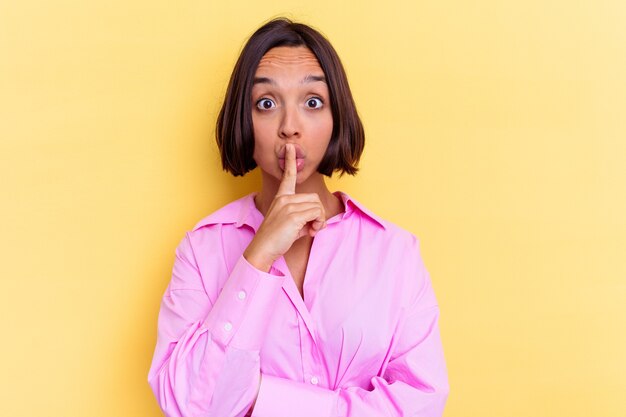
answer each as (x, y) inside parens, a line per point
(206, 361)
(414, 382)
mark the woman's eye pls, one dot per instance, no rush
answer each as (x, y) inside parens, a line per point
(265, 104)
(314, 103)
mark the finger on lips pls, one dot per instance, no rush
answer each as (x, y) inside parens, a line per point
(288, 183)
(310, 208)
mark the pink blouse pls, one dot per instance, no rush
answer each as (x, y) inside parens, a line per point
(363, 342)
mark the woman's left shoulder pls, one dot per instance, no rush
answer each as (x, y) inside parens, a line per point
(379, 229)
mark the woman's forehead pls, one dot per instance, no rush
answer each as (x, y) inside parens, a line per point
(289, 56)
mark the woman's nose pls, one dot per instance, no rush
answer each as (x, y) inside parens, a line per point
(290, 123)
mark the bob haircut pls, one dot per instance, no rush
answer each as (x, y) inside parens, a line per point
(234, 131)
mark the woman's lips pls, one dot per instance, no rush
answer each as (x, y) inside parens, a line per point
(299, 164)
(299, 158)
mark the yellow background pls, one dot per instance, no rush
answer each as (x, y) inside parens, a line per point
(496, 132)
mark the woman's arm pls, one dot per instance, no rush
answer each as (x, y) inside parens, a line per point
(206, 361)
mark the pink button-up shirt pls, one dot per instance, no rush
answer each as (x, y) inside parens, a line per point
(363, 342)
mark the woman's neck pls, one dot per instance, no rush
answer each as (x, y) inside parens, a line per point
(314, 184)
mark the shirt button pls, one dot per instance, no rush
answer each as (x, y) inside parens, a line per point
(314, 380)
(228, 327)
(241, 295)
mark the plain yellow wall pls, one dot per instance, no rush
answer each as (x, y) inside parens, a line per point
(496, 132)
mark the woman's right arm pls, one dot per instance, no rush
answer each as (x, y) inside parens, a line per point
(206, 360)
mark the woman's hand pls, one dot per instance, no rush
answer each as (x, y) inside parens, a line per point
(289, 217)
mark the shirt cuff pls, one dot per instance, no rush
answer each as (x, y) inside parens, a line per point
(280, 397)
(244, 307)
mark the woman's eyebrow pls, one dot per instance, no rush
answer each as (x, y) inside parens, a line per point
(263, 80)
(313, 78)
(308, 79)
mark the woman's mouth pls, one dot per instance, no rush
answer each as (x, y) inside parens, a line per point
(299, 158)
(299, 164)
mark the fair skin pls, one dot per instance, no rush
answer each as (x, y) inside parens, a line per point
(293, 124)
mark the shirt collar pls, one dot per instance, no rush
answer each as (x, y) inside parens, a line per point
(244, 212)
(351, 204)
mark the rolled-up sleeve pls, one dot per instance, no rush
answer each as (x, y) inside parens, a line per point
(206, 361)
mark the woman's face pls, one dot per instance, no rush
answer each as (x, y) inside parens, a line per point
(290, 104)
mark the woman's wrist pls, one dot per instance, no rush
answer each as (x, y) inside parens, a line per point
(258, 260)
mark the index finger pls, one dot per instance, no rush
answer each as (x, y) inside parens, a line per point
(288, 183)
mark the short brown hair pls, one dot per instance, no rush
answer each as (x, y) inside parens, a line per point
(234, 131)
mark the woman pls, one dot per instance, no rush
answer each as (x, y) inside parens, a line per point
(296, 301)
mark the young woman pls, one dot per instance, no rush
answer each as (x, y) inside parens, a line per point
(296, 301)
